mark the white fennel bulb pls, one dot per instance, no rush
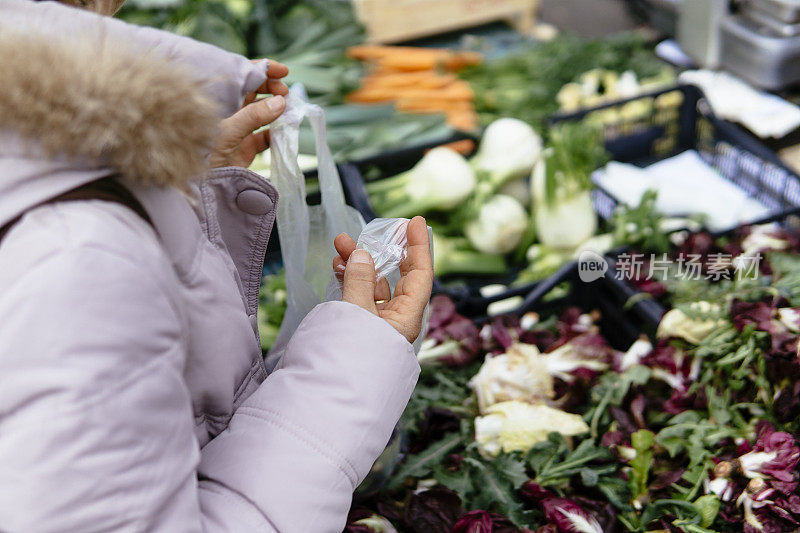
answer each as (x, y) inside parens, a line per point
(499, 226)
(566, 222)
(519, 189)
(509, 148)
(440, 181)
(442, 176)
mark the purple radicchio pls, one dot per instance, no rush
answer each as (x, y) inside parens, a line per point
(452, 340)
(761, 314)
(567, 515)
(364, 521)
(677, 369)
(484, 522)
(780, 461)
(433, 511)
(768, 474)
(584, 356)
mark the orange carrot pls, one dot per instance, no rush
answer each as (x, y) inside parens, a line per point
(423, 78)
(465, 121)
(442, 59)
(464, 146)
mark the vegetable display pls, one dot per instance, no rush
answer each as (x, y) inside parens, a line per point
(743, 261)
(536, 423)
(461, 198)
(418, 80)
(514, 190)
(559, 420)
(527, 84)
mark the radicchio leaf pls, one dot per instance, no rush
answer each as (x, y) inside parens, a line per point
(484, 522)
(569, 517)
(452, 340)
(433, 511)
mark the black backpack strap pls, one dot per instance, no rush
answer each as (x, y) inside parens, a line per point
(107, 189)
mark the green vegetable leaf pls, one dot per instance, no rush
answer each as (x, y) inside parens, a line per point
(642, 441)
(459, 481)
(421, 464)
(708, 506)
(495, 486)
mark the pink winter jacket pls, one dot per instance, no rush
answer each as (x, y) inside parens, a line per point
(133, 396)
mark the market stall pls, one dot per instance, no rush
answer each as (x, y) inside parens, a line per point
(612, 343)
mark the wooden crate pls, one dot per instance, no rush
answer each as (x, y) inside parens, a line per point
(391, 21)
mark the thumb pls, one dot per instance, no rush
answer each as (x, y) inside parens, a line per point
(252, 117)
(359, 281)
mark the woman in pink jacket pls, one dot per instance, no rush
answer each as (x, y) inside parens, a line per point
(133, 396)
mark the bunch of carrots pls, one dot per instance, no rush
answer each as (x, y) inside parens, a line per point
(418, 80)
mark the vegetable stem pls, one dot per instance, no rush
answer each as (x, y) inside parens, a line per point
(388, 184)
(467, 262)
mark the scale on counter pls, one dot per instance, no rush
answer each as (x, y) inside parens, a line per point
(757, 40)
(761, 43)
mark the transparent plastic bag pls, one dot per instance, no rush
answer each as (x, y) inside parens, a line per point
(386, 241)
(307, 232)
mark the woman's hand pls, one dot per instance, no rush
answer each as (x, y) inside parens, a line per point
(237, 144)
(404, 311)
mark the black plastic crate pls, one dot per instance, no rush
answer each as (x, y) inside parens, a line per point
(620, 322)
(680, 119)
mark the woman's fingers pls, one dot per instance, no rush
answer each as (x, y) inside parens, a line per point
(382, 291)
(404, 311)
(418, 256)
(236, 144)
(277, 87)
(252, 117)
(277, 70)
(359, 281)
(339, 265)
(416, 270)
(344, 245)
(256, 142)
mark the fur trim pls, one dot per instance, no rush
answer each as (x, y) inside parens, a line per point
(103, 102)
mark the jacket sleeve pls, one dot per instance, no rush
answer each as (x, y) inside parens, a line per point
(301, 444)
(96, 426)
(227, 77)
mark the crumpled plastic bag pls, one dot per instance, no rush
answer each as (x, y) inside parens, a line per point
(385, 240)
(307, 232)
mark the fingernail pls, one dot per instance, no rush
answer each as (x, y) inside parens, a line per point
(276, 103)
(360, 256)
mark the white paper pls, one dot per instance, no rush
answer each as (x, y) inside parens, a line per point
(763, 113)
(686, 185)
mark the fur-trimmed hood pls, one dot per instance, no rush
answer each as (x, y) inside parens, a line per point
(86, 94)
(97, 101)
